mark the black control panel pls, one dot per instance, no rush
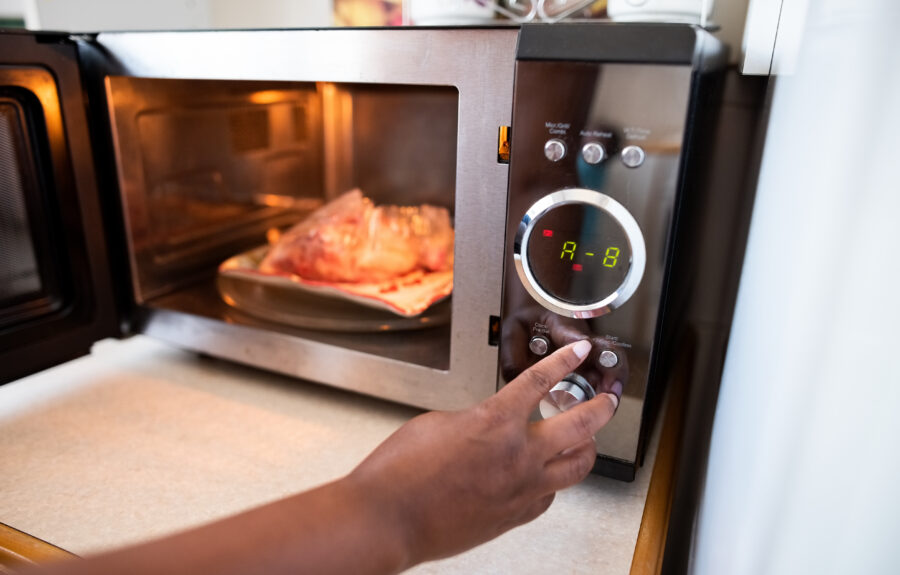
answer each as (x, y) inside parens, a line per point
(597, 159)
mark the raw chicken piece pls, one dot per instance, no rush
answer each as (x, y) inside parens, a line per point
(350, 240)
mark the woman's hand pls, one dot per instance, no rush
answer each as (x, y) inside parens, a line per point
(443, 483)
(447, 481)
(515, 356)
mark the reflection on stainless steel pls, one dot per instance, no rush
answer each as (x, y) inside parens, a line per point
(283, 201)
(200, 165)
(380, 138)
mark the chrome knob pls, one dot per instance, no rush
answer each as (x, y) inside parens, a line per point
(593, 153)
(539, 345)
(608, 358)
(633, 156)
(572, 390)
(555, 150)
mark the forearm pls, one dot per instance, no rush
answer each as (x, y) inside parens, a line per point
(442, 483)
(335, 528)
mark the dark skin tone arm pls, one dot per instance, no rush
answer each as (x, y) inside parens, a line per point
(441, 484)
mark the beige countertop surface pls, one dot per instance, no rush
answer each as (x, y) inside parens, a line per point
(140, 439)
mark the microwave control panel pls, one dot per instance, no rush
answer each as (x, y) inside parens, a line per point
(593, 187)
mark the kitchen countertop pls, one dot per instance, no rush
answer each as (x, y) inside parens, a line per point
(140, 439)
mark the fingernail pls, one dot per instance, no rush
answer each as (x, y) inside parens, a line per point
(614, 393)
(614, 399)
(582, 348)
(616, 388)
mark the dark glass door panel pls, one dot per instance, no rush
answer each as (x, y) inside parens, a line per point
(30, 285)
(55, 287)
(19, 275)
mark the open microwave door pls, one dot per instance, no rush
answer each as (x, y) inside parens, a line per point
(56, 295)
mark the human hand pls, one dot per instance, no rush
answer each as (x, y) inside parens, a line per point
(441, 484)
(515, 356)
(448, 481)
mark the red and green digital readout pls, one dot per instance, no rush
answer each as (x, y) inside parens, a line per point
(570, 248)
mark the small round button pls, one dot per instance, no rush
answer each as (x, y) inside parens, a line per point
(633, 156)
(608, 358)
(539, 345)
(593, 153)
(555, 150)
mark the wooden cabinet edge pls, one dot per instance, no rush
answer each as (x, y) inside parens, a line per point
(18, 549)
(651, 540)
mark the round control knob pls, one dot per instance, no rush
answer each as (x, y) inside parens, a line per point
(593, 153)
(566, 394)
(555, 150)
(539, 345)
(608, 358)
(633, 156)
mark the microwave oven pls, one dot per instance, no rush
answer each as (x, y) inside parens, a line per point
(568, 157)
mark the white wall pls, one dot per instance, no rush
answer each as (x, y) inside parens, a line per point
(805, 458)
(730, 16)
(772, 36)
(12, 8)
(270, 13)
(99, 15)
(17, 10)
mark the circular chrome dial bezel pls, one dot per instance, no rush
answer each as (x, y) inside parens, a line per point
(615, 210)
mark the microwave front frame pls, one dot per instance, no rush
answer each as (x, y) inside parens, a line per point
(478, 63)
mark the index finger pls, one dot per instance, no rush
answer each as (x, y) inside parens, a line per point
(526, 391)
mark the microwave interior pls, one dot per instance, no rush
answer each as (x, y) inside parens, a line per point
(211, 170)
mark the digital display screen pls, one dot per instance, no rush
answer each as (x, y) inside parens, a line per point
(578, 253)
